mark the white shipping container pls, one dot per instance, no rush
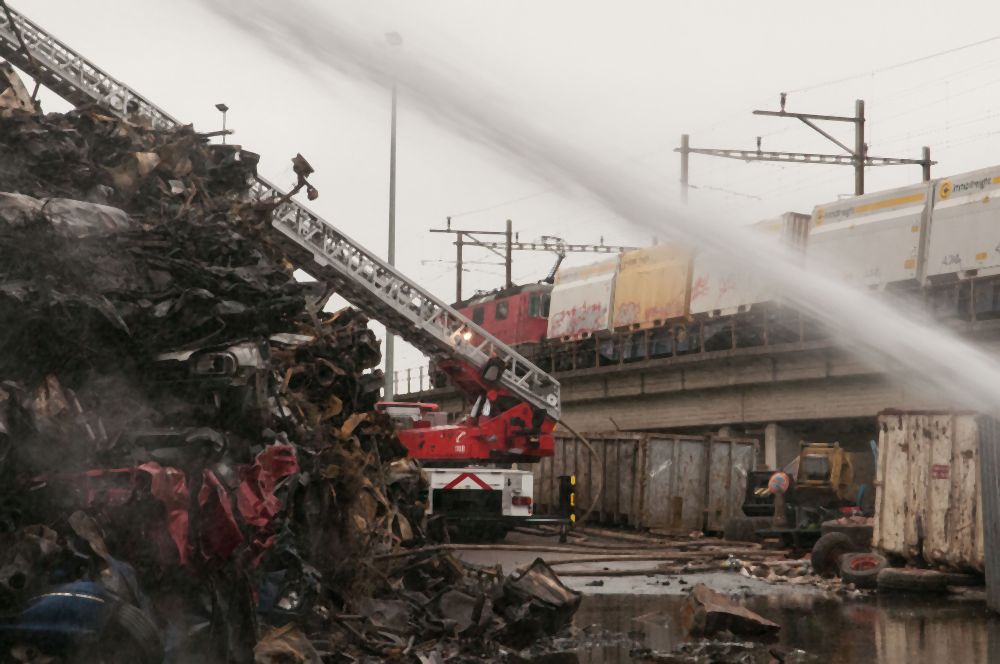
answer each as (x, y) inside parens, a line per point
(872, 240)
(965, 225)
(928, 503)
(580, 304)
(720, 288)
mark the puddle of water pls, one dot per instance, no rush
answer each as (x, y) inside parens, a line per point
(883, 630)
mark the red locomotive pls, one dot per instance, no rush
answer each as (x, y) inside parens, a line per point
(515, 315)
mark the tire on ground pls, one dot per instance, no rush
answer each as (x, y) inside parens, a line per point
(743, 528)
(141, 636)
(860, 533)
(963, 579)
(862, 569)
(911, 581)
(827, 551)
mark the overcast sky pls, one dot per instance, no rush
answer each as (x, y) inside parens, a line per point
(620, 79)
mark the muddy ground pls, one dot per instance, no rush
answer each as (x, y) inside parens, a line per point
(622, 615)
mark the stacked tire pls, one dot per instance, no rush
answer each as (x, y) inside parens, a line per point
(909, 580)
(828, 551)
(862, 569)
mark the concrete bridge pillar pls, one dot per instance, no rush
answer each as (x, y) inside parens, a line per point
(781, 445)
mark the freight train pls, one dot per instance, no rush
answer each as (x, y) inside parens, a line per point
(938, 241)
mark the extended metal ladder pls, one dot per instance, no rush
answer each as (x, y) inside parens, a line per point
(360, 276)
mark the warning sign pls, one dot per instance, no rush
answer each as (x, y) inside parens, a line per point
(940, 471)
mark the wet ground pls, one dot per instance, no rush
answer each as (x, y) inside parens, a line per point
(644, 611)
(893, 630)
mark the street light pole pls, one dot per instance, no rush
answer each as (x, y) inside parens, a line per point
(395, 40)
(223, 108)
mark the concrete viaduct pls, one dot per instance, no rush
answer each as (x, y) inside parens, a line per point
(779, 394)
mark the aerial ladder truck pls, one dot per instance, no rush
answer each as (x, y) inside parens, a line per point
(516, 404)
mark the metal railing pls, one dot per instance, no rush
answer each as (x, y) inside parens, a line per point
(412, 380)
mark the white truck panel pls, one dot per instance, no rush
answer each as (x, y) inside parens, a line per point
(964, 230)
(872, 240)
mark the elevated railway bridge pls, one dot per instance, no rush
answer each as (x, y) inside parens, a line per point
(785, 387)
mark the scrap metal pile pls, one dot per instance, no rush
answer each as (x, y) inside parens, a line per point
(192, 466)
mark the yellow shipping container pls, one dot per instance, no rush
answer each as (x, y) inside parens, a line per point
(653, 286)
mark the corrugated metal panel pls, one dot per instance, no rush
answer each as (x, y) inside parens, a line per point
(872, 240)
(795, 229)
(581, 300)
(965, 225)
(928, 504)
(677, 483)
(652, 287)
(989, 455)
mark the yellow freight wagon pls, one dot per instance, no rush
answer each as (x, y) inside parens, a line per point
(653, 286)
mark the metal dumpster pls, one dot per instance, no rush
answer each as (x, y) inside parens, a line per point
(650, 480)
(928, 503)
(989, 454)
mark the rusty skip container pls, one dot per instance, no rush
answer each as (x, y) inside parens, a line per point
(580, 303)
(653, 286)
(648, 480)
(989, 479)
(928, 502)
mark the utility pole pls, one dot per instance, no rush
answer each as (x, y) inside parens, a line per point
(463, 237)
(685, 151)
(506, 248)
(860, 147)
(508, 255)
(458, 264)
(857, 157)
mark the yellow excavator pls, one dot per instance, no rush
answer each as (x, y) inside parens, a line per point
(818, 483)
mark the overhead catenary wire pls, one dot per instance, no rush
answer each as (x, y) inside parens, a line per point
(898, 65)
(722, 121)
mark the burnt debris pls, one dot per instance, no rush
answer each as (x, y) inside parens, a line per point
(192, 466)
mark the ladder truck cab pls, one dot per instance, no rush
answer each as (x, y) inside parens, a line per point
(517, 404)
(475, 490)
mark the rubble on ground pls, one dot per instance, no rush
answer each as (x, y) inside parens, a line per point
(707, 612)
(188, 441)
(728, 651)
